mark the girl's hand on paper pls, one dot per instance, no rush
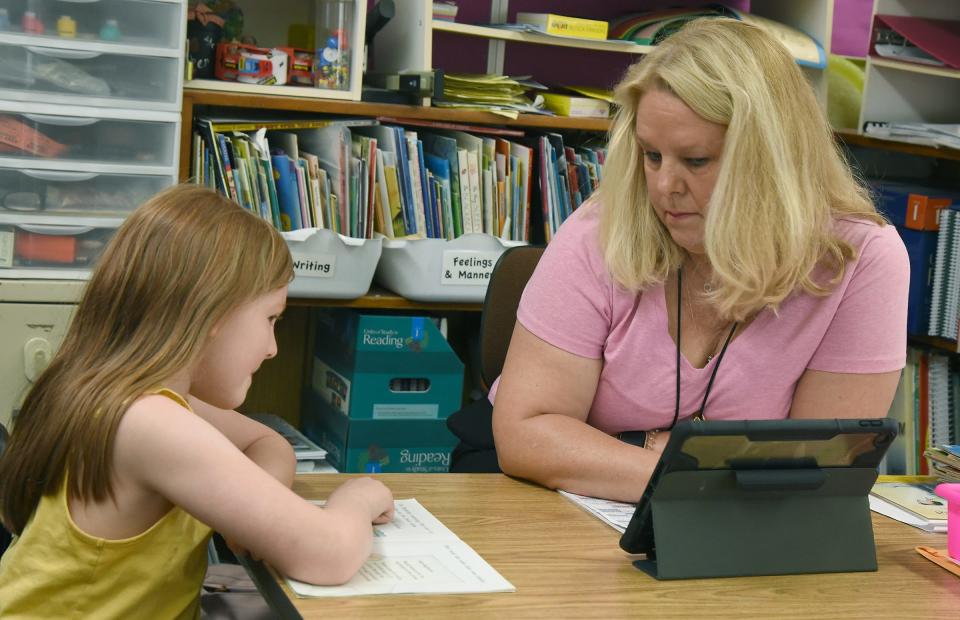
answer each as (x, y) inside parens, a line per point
(369, 492)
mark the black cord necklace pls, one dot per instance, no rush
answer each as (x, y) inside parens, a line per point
(703, 405)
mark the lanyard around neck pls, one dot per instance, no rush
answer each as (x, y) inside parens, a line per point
(713, 375)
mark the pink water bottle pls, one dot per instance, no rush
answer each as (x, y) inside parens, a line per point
(951, 493)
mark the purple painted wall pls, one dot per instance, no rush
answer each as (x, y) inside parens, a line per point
(851, 27)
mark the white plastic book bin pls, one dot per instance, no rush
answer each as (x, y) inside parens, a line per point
(440, 270)
(329, 265)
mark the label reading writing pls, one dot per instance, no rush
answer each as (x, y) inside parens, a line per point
(464, 267)
(314, 265)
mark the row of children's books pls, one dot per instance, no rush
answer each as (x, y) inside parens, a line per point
(361, 177)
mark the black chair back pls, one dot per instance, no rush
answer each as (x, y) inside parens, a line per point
(506, 285)
(473, 424)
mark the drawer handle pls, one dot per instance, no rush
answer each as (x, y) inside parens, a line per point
(67, 54)
(63, 121)
(50, 175)
(49, 229)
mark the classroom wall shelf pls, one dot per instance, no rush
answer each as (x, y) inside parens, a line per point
(262, 19)
(905, 92)
(855, 138)
(472, 30)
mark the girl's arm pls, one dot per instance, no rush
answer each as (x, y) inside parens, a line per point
(541, 431)
(162, 448)
(261, 444)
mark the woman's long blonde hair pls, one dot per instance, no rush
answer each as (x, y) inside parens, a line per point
(175, 268)
(782, 179)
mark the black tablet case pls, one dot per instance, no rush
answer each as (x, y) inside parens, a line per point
(717, 523)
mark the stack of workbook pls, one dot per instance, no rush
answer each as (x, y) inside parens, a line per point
(945, 462)
(913, 503)
(578, 101)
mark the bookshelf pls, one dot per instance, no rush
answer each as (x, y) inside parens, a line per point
(906, 92)
(193, 97)
(414, 40)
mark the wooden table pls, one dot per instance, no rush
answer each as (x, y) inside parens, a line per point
(566, 564)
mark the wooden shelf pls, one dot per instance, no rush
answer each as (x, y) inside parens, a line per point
(517, 36)
(855, 138)
(915, 67)
(284, 91)
(288, 103)
(380, 299)
(950, 346)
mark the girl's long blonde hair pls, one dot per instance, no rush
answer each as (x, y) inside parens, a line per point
(782, 179)
(175, 268)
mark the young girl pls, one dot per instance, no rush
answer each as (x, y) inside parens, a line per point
(126, 453)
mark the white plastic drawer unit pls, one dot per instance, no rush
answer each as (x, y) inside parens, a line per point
(30, 248)
(40, 135)
(46, 193)
(143, 23)
(87, 77)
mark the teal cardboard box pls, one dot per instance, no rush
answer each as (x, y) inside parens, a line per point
(381, 390)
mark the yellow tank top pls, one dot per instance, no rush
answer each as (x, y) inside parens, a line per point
(55, 570)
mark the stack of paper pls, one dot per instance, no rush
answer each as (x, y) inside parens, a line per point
(913, 503)
(615, 514)
(494, 93)
(945, 461)
(928, 134)
(415, 554)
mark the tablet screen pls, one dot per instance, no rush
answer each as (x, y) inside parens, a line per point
(759, 444)
(741, 452)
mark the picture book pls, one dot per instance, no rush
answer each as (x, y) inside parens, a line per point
(574, 106)
(915, 497)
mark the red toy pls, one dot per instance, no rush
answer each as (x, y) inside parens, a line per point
(31, 23)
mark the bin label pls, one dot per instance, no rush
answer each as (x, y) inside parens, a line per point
(399, 411)
(468, 268)
(314, 265)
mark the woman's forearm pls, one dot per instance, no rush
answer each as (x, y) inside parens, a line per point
(564, 453)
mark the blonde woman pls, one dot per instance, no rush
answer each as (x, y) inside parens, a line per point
(730, 267)
(127, 452)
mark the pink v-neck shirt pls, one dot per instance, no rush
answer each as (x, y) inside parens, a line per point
(572, 303)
